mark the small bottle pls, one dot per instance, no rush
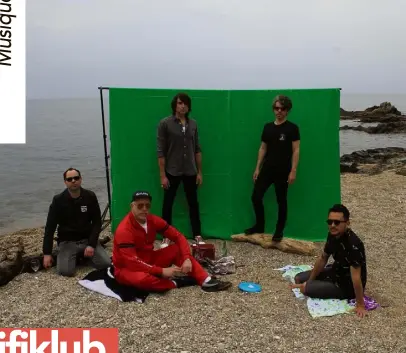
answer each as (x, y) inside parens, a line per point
(224, 251)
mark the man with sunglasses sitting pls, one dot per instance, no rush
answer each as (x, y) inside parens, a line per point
(346, 278)
(76, 213)
(137, 264)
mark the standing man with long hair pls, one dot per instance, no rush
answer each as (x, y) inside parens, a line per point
(180, 161)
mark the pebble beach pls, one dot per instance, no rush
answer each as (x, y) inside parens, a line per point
(190, 320)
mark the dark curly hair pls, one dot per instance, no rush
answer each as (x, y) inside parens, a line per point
(284, 101)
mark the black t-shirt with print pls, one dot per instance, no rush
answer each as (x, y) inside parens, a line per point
(347, 250)
(278, 139)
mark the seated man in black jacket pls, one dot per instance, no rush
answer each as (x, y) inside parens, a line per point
(76, 212)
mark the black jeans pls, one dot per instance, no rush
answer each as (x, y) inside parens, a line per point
(190, 188)
(265, 179)
(323, 286)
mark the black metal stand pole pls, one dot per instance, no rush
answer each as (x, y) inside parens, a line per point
(106, 156)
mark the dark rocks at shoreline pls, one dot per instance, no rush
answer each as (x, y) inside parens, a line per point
(374, 155)
(383, 119)
(11, 259)
(20, 249)
(385, 109)
(401, 171)
(349, 168)
(382, 128)
(374, 161)
(390, 120)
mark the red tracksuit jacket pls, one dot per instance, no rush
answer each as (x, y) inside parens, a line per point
(132, 246)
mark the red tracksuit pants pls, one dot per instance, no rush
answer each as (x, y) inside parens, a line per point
(165, 257)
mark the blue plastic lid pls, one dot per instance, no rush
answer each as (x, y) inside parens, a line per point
(250, 287)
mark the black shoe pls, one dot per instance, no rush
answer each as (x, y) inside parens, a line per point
(214, 285)
(184, 281)
(253, 230)
(277, 237)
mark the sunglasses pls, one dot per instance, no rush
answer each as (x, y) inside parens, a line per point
(336, 222)
(147, 205)
(70, 179)
(282, 109)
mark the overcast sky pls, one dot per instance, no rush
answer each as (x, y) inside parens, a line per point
(73, 46)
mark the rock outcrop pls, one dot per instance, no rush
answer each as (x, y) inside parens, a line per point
(373, 161)
(390, 118)
(385, 111)
(11, 259)
(382, 128)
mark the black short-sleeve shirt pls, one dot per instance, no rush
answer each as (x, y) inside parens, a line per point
(347, 250)
(278, 139)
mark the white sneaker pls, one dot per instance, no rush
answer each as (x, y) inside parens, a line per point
(199, 240)
(164, 244)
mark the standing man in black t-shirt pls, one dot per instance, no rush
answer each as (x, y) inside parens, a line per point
(278, 157)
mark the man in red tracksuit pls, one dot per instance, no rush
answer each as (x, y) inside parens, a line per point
(137, 264)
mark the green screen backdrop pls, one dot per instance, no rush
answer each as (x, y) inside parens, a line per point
(230, 124)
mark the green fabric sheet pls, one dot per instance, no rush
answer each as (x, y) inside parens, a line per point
(230, 124)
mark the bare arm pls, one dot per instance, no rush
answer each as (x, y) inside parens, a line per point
(319, 266)
(161, 164)
(199, 162)
(261, 154)
(321, 262)
(295, 155)
(357, 283)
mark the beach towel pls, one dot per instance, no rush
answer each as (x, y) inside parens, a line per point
(103, 282)
(323, 307)
(330, 307)
(289, 273)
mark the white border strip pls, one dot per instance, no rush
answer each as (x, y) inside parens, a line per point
(12, 72)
